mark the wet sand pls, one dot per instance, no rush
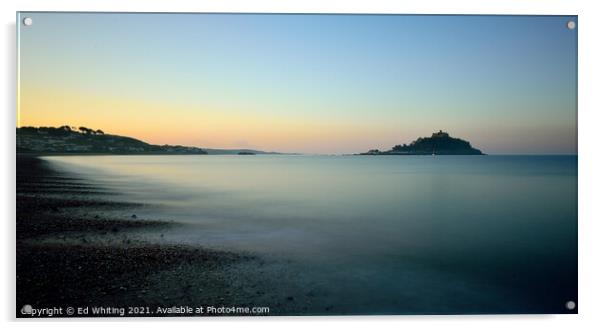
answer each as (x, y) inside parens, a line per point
(73, 251)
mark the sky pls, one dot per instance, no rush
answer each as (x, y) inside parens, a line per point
(325, 84)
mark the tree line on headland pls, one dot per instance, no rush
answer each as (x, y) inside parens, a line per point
(83, 140)
(72, 140)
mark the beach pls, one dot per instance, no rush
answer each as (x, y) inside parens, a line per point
(71, 251)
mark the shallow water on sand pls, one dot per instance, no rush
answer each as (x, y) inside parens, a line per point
(374, 234)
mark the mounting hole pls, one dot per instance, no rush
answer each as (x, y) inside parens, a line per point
(571, 25)
(27, 21)
(570, 305)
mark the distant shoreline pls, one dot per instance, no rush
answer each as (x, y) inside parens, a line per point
(72, 140)
(43, 154)
(22, 154)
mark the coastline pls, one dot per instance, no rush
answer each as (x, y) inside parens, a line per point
(72, 252)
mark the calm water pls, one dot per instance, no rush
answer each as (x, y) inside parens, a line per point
(386, 234)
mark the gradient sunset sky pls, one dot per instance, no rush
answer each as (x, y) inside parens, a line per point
(304, 83)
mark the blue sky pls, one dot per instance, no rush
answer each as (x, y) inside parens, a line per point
(305, 83)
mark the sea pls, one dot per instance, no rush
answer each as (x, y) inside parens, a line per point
(372, 234)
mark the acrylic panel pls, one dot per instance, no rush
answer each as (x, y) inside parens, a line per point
(190, 164)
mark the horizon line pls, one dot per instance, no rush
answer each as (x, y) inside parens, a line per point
(75, 128)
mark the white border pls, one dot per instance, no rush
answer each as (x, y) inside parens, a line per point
(590, 217)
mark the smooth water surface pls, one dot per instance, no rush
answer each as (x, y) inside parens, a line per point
(374, 234)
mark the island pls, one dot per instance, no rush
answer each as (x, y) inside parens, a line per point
(440, 143)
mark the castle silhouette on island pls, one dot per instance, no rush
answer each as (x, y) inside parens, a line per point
(440, 143)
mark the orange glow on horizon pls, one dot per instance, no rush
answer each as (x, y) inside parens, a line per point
(192, 126)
